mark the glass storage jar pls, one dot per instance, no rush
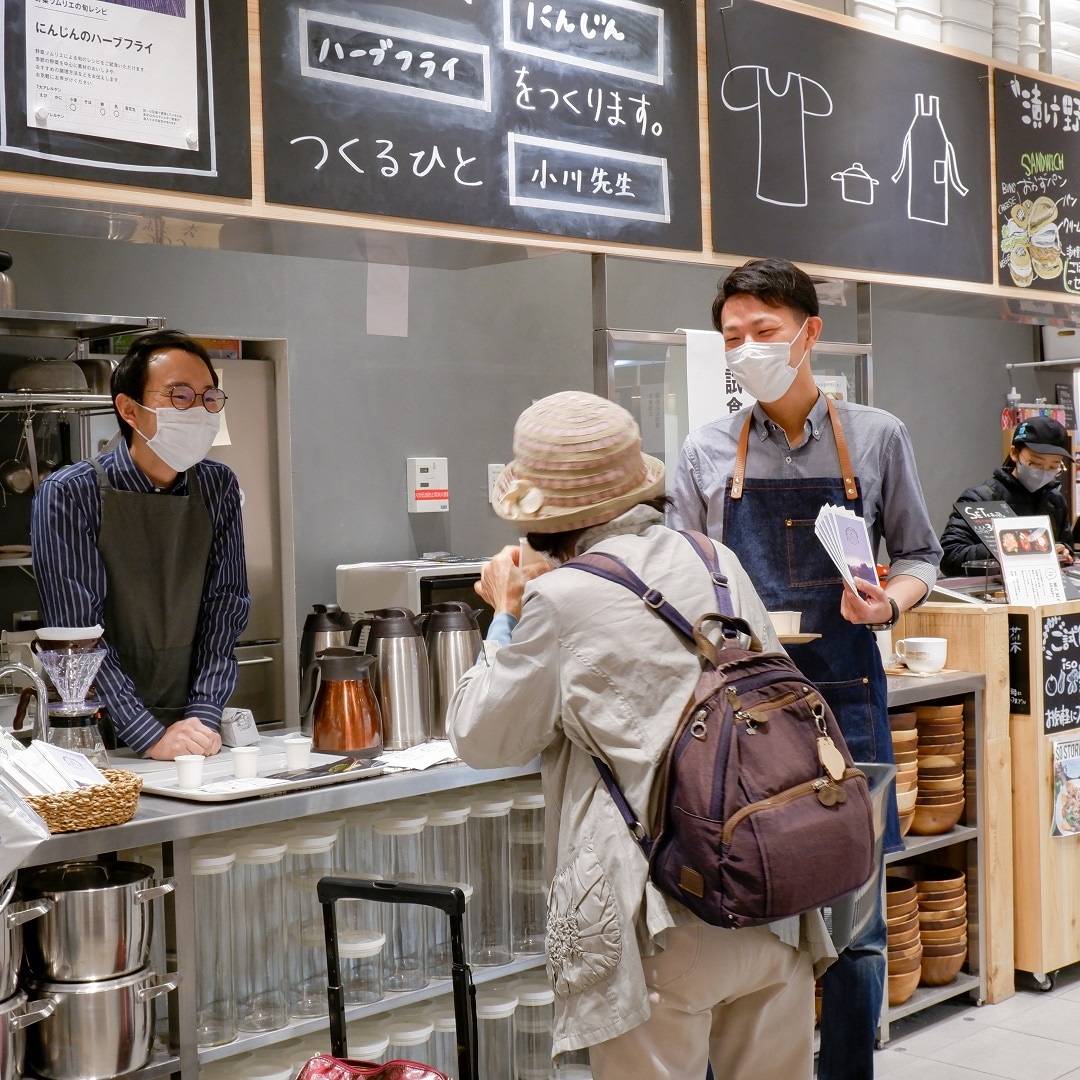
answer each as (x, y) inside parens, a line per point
(444, 1054)
(215, 989)
(309, 856)
(360, 963)
(446, 862)
(259, 937)
(495, 1033)
(367, 1040)
(409, 1039)
(400, 853)
(528, 882)
(534, 1020)
(489, 875)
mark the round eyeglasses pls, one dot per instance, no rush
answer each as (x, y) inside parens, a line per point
(183, 397)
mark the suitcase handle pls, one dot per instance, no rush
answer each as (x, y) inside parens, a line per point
(446, 898)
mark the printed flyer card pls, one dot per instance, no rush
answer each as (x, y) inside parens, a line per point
(1029, 562)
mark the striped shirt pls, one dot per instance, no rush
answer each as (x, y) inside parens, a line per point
(71, 581)
(881, 455)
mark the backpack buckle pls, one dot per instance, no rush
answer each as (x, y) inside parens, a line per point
(654, 599)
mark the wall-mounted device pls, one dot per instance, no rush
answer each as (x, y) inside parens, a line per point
(428, 487)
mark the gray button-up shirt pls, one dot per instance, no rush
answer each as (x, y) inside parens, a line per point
(881, 455)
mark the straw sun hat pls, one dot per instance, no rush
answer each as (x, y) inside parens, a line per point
(577, 463)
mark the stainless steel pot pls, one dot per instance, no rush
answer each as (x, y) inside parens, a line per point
(11, 940)
(15, 1014)
(97, 1030)
(101, 922)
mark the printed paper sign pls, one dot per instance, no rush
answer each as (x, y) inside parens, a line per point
(1029, 562)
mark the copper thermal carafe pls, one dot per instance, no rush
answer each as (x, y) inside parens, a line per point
(345, 712)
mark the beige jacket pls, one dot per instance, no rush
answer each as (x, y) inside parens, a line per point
(591, 670)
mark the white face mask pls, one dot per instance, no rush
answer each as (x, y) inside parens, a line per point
(763, 368)
(184, 436)
(1034, 478)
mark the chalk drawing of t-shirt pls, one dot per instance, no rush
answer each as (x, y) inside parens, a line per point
(781, 174)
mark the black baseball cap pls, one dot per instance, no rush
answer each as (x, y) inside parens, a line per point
(1043, 435)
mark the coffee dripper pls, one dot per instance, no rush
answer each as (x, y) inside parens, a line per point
(72, 721)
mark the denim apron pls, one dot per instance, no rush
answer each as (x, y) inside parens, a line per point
(155, 549)
(769, 524)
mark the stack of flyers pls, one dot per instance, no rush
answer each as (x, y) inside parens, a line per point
(843, 535)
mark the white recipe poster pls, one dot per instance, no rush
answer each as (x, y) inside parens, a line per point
(1029, 562)
(116, 69)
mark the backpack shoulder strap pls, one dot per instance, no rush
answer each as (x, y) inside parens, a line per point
(706, 552)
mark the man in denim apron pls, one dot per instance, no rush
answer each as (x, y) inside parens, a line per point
(756, 481)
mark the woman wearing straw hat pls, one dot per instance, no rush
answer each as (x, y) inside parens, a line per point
(574, 667)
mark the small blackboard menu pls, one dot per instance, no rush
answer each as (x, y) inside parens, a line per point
(152, 93)
(1019, 660)
(1061, 673)
(576, 119)
(838, 145)
(1037, 144)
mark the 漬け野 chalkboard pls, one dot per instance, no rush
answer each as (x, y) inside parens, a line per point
(1037, 144)
(576, 119)
(837, 145)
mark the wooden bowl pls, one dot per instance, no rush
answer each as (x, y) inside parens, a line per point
(904, 736)
(943, 726)
(940, 798)
(941, 785)
(895, 916)
(902, 720)
(928, 740)
(905, 800)
(901, 987)
(938, 712)
(945, 948)
(930, 820)
(902, 937)
(941, 970)
(906, 757)
(906, 820)
(955, 906)
(937, 765)
(907, 964)
(959, 893)
(944, 937)
(899, 889)
(935, 920)
(933, 877)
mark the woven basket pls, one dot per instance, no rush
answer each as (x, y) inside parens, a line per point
(91, 807)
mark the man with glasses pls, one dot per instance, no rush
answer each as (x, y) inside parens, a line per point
(147, 540)
(1028, 481)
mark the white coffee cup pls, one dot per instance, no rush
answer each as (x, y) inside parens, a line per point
(297, 751)
(245, 761)
(923, 655)
(189, 769)
(786, 623)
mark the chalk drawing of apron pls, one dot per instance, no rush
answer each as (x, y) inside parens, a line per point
(930, 163)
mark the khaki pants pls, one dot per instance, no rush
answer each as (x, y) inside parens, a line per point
(740, 998)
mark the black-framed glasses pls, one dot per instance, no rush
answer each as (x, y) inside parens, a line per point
(183, 397)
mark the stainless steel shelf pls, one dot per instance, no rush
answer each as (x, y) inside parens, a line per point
(76, 402)
(925, 996)
(436, 988)
(161, 1065)
(917, 845)
(61, 324)
(910, 689)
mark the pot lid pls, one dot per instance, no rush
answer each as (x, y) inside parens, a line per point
(326, 619)
(855, 170)
(86, 876)
(344, 663)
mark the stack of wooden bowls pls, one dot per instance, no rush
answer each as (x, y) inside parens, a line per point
(942, 898)
(905, 950)
(905, 753)
(939, 804)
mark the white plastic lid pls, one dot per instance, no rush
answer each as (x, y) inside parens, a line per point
(444, 1018)
(399, 824)
(529, 800)
(448, 815)
(495, 1005)
(317, 841)
(204, 863)
(411, 1032)
(226, 1069)
(354, 944)
(259, 1068)
(485, 808)
(327, 821)
(259, 851)
(366, 1041)
(534, 992)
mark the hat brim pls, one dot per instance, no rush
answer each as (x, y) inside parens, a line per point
(1046, 448)
(550, 518)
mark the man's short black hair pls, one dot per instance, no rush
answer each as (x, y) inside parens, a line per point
(775, 282)
(129, 376)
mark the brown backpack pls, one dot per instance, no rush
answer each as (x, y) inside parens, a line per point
(763, 814)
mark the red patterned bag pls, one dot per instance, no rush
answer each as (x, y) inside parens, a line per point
(325, 1067)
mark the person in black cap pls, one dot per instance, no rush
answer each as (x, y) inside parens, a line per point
(1028, 482)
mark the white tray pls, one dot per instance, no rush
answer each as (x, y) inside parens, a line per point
(219, 785)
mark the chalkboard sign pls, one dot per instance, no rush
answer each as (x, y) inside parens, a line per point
(577, 119)
(837, 145)
(79, 84)
(1019, 661)
(1037, 143)
(1061, 673)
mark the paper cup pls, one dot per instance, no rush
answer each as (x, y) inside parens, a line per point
(297, 751)
(189, 769)
(786, 623)
(923, 655)
(245, 760)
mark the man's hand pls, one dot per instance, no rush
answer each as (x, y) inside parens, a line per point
(502, 581)
(869, 605)
(1065, 555)
(190, 736)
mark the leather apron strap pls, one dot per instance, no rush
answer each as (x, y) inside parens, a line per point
(155, 548)
(847, 474)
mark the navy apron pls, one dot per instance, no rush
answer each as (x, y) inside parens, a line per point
(769, 524)
(155, 549)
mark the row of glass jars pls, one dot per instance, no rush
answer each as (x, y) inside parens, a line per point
(257, 915)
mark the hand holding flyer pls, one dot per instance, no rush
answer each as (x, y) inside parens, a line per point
(843, 535)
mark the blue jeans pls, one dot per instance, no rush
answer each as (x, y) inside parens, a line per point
(851, 995)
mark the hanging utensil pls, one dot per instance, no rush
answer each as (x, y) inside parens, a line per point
(31, 449)
(15, 475)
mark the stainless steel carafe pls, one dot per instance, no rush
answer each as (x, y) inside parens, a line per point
(401, 674)
(453, 639)
(327, 627)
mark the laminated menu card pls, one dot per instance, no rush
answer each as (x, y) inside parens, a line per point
(1029, 562)
(843, 535)
(1065, 820)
